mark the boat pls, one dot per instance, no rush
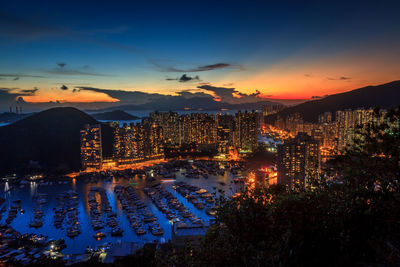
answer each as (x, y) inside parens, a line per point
(36, 224)
(116, 231)
(99, 235)
(140, 231)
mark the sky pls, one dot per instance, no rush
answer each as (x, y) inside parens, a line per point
(232, 51)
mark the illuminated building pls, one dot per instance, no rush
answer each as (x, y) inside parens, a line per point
(91, 152)
(325, 117)
(171, 124)
(298, 161)
(246, 130)
(225, 131)
(154, 141)
(133, 143)
(292, 122)
(271, 109)
(199, 128)
(348, 120)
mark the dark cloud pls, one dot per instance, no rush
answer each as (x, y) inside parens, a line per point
(73, 72)
(16, 79)
(308, 75)
(231, 95)
(75, 90)
(126, 97)
(9, 96)
(61, 64)
(190, 93)
(213, 67)
(29, 91)
(342, 78)
(18, 75)
(210, 67)
(63, 87)
(184, 78)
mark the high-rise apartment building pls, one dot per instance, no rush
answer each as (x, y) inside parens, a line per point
(246, 130)
(91, 151)
(298, 161)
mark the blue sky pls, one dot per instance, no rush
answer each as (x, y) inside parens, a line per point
(281, 49)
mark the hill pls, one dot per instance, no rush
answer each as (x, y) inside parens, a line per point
(383, 96)
(117, 115)
(51, 138)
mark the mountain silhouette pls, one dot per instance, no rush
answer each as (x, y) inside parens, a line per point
(117, 115)
(48, 140)
(384, 96)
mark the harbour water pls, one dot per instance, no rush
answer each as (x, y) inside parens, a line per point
(78, 244)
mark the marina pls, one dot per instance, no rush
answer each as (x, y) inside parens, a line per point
(139, 205)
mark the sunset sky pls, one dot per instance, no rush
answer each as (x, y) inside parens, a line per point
(79, 51)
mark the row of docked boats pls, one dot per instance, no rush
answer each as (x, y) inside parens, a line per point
(40, 201)
(168, 204)
(97, 213)
(199, 197)
(137, 212)
(72, 223)
(13, 210)
(60, 210)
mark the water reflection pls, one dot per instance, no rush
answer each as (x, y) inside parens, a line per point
(33, 188)
(79, 243)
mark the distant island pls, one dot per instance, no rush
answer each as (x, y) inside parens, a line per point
(117, 115)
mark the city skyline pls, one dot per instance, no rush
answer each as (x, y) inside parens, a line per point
(234, 53)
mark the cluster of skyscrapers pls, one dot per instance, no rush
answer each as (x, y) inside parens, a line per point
(299, 157)
(331, 133)
(149, 138)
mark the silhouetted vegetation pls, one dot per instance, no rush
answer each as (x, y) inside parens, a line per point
(260, 158)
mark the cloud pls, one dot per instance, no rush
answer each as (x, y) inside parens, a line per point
(342, 78)
(61, 64)
(190, 93)
(231, 95)
(216, 66)
(16, 79)
(29, 91)
(63, 87)
(73, 72)
(125, 97)
(184, 78)
(9, 96)
(18, 75)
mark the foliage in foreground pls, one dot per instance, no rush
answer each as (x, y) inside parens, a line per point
(353, 219)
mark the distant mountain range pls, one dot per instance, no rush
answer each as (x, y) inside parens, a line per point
(115, 115)
(9, 117)
(48, 140)
(383, 96)
(194, 103)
